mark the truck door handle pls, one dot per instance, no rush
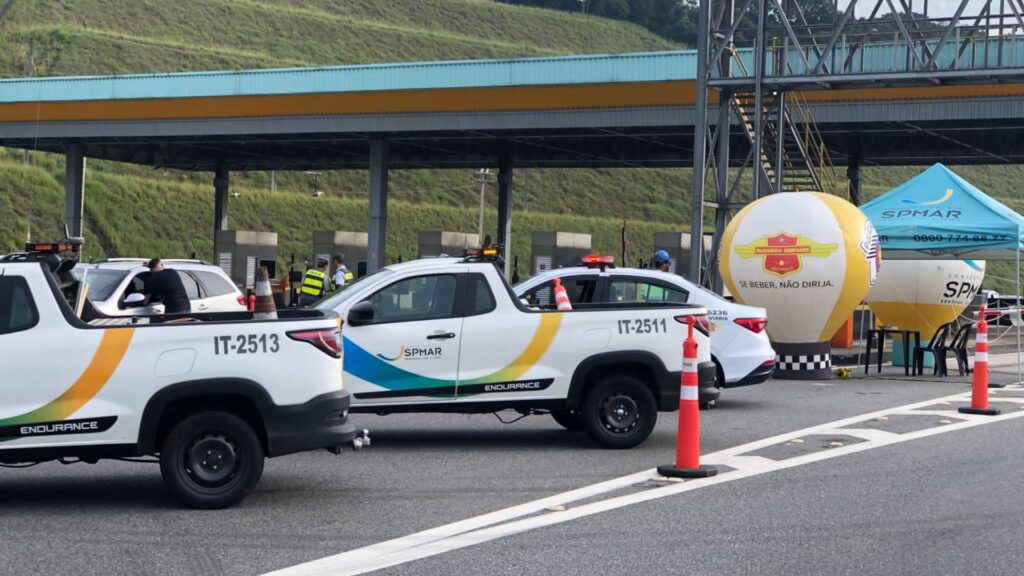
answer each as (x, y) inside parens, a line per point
(441, 336)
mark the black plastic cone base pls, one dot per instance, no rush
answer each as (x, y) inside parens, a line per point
(991, 385)
(700, 472)
(979, 411)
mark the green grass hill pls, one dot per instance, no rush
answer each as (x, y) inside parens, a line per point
(133, 210)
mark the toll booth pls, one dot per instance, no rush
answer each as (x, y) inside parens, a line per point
(351, 245)
(240, 253)
(557, 250)
(677, 244)
(433, 244)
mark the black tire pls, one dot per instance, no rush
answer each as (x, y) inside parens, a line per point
(569, 419)
(233, 466)
(619, 412)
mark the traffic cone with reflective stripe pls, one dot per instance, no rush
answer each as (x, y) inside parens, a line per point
(561, 297)
(688, 435)
(979, 385)
(263, 307)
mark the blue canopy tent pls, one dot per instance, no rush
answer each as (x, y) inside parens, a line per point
(939, 215)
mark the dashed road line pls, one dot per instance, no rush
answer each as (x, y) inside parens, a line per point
(539, 514)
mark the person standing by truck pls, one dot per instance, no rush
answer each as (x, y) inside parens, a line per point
(315, 284)
(342, 276)
(165, 286)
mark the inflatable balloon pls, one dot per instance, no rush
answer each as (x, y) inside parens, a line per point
(923, 295)
(809, 259)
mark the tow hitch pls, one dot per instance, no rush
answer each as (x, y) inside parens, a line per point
(362, 439)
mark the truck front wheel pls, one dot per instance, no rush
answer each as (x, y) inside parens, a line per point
(619, 412)
(211, 460)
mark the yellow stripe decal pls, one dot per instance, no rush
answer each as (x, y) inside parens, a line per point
(104, 362)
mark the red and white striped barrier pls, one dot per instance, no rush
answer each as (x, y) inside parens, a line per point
(979, 385)
(687, 463)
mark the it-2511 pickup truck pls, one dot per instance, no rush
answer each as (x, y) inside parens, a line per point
(449, 335)
(212, 395)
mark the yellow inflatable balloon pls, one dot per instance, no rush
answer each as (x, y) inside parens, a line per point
(924, 294)
(809, 259)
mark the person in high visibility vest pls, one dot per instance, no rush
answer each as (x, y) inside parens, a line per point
(315, 284)
(342, 276)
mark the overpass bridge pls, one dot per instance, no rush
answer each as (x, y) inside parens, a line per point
(623, 110)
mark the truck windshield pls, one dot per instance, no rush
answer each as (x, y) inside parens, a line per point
(102, 283)
(341, 296)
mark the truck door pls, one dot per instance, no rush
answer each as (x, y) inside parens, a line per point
(410, 350)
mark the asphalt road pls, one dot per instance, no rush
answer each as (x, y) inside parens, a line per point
(863, 511)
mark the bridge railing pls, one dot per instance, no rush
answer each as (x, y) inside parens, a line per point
(886, 57)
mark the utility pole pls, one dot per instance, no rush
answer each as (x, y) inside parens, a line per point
(526, 189)
(483, 176)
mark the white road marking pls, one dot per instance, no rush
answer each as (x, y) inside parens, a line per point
(535, 514)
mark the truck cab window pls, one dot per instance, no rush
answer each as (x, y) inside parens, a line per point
(17, 309)
(413, 299)
(481, 297)
(580, 289)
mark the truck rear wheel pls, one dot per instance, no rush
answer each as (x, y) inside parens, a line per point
(619, 412)
(211, 460)
(569, 419)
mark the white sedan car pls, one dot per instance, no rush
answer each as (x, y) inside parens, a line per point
(739, 343)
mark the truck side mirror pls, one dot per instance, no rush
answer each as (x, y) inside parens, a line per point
(134, 300)
(360, 314)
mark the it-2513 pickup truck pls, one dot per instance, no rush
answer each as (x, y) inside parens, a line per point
(449, 335)
(212, 395)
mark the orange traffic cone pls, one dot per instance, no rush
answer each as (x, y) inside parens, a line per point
(561, 297)
(687, 463)
(264, 308)
(979, 385)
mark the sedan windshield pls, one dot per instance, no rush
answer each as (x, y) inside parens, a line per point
(102, 283)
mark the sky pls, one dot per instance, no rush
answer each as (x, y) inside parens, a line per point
(936, 8)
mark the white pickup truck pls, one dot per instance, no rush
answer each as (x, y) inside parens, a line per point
(448, 335)
(212, 395)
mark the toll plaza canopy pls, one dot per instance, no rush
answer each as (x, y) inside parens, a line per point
(937, 214)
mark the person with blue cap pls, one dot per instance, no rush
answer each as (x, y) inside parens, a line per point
(661, 261)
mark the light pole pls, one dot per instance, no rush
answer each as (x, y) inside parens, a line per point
(483, 176)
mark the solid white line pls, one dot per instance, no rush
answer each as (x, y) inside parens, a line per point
(511, 521)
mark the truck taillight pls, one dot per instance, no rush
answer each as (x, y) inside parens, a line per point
(241, 299)
(328, 340)
(700, 323)
(755, 325)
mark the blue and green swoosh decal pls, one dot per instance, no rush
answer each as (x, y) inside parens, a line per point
(377, 370)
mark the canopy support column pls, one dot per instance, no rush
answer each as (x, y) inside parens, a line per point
(377, 242)
(504, 237)
(74, 189)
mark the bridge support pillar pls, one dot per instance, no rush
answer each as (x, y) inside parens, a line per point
(377, 242)
(221, 188)
(504, 236)
(74, 189)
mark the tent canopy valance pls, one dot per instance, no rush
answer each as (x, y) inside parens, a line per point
(939, 215)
